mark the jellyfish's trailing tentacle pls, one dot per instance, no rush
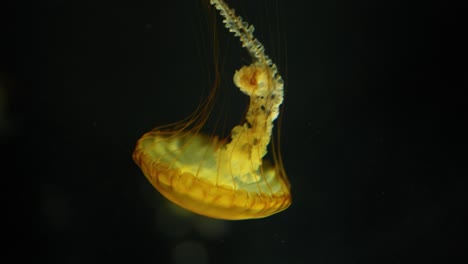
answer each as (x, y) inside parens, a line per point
(243, 30)
(262, 83)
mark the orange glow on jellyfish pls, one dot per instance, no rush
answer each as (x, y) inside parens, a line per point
(224, 178)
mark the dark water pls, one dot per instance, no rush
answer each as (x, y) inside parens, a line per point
(372, 131)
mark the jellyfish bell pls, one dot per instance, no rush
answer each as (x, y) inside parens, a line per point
(225, 178)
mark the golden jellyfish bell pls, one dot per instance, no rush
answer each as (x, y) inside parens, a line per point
(224, 178)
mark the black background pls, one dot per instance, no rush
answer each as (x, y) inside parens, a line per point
(372, 135)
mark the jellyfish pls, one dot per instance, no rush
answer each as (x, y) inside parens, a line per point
(226, 178)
